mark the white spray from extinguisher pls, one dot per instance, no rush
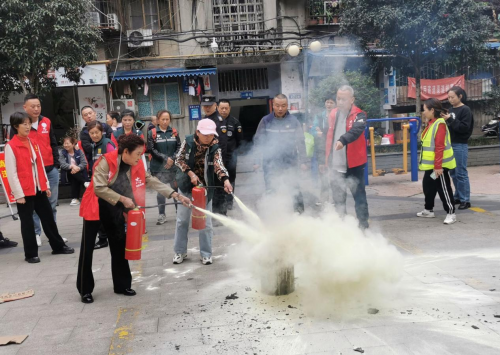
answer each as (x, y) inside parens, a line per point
(339, 268)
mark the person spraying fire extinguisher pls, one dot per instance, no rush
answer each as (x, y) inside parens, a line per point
(118, 184)
(199, 160)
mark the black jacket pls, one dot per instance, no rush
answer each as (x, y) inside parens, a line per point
(87, 141)
(234, 135)
(53, 144)
(460, 124)
(221, 131)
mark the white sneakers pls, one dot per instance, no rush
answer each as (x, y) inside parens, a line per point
(206, 261)
(426, 214)
(38, 240)
(450, 219)
(161, 219)
(179, 258)
(74, 202)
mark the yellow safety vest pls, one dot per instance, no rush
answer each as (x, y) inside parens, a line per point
(427, 153)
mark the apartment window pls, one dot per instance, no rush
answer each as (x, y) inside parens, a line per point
(156, 15)
(159, 97)
(243, 80)
(239, 17)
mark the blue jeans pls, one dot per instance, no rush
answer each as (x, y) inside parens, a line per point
(53, 177)
(182, 228)
(460, 175)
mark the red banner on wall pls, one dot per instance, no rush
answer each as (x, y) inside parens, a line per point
(5, 182)
(434, 88)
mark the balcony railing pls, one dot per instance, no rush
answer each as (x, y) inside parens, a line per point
(323, 12)
(104, 15)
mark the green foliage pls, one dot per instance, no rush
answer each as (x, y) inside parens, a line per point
(366, 92)
(417, 31)
(492, 105)
(39, 35)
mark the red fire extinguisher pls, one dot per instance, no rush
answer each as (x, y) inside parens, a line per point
(135, 230)
(199, 194)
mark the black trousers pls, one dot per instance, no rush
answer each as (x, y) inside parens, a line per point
(85, 278)
(231, 169)
(41, 205)
(76, 180)
(441, 186)
(354, 180)
(114, 224)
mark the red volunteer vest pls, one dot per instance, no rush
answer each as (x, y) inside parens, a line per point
(89, 208)
(42, 138)
(356, 151)
(24, 167)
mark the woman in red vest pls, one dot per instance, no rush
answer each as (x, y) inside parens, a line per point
(118, 185)
(31, 189)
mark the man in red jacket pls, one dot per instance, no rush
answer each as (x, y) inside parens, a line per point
(345, 154)
(42, 132)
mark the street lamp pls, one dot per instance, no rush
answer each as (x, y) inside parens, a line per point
(315, 46)
(293, 50)
(214, 46)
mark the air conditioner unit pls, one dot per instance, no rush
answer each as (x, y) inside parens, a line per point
(140, 38)
(123, 104)
(113, 21)
(94, 18)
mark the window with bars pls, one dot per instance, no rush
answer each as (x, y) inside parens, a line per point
(159, 97)
(238, 17)
(243, 80)
(156, 15)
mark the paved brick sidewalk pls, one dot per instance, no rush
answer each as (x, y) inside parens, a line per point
(450, 272)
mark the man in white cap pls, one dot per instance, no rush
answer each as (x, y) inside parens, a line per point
(200, 162)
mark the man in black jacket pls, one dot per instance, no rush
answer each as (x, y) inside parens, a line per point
(89, 115)
(234, 137)
(209, 106)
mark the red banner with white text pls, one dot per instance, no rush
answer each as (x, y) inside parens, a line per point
(434, 88)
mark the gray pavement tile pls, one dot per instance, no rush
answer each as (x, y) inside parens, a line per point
(18, 326)
(11, 349)
(54, 335)
(83, 347)
(42, 310)
(242, 347)
(165, 340)
(393, 349)
(38, 283)
(329, 342)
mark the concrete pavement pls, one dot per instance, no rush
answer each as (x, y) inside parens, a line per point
(446, 302)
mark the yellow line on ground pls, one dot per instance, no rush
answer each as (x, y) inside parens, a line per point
(480, 210)
(123, 332)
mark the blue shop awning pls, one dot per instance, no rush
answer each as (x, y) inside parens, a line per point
(161, 73)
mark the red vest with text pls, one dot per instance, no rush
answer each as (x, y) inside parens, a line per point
(42, 137)
(24, 166)
(356, 151)
(89, 208)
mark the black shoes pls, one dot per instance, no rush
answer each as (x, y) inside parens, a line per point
(65, 250)
(127, 292)
(87, 298)
(101, 244)
(457, 202)
(33, 260)
(7, 243)
(464, 205)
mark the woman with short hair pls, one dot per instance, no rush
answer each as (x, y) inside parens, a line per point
(31, 189)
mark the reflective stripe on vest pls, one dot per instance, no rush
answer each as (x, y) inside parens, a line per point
(427, 153)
